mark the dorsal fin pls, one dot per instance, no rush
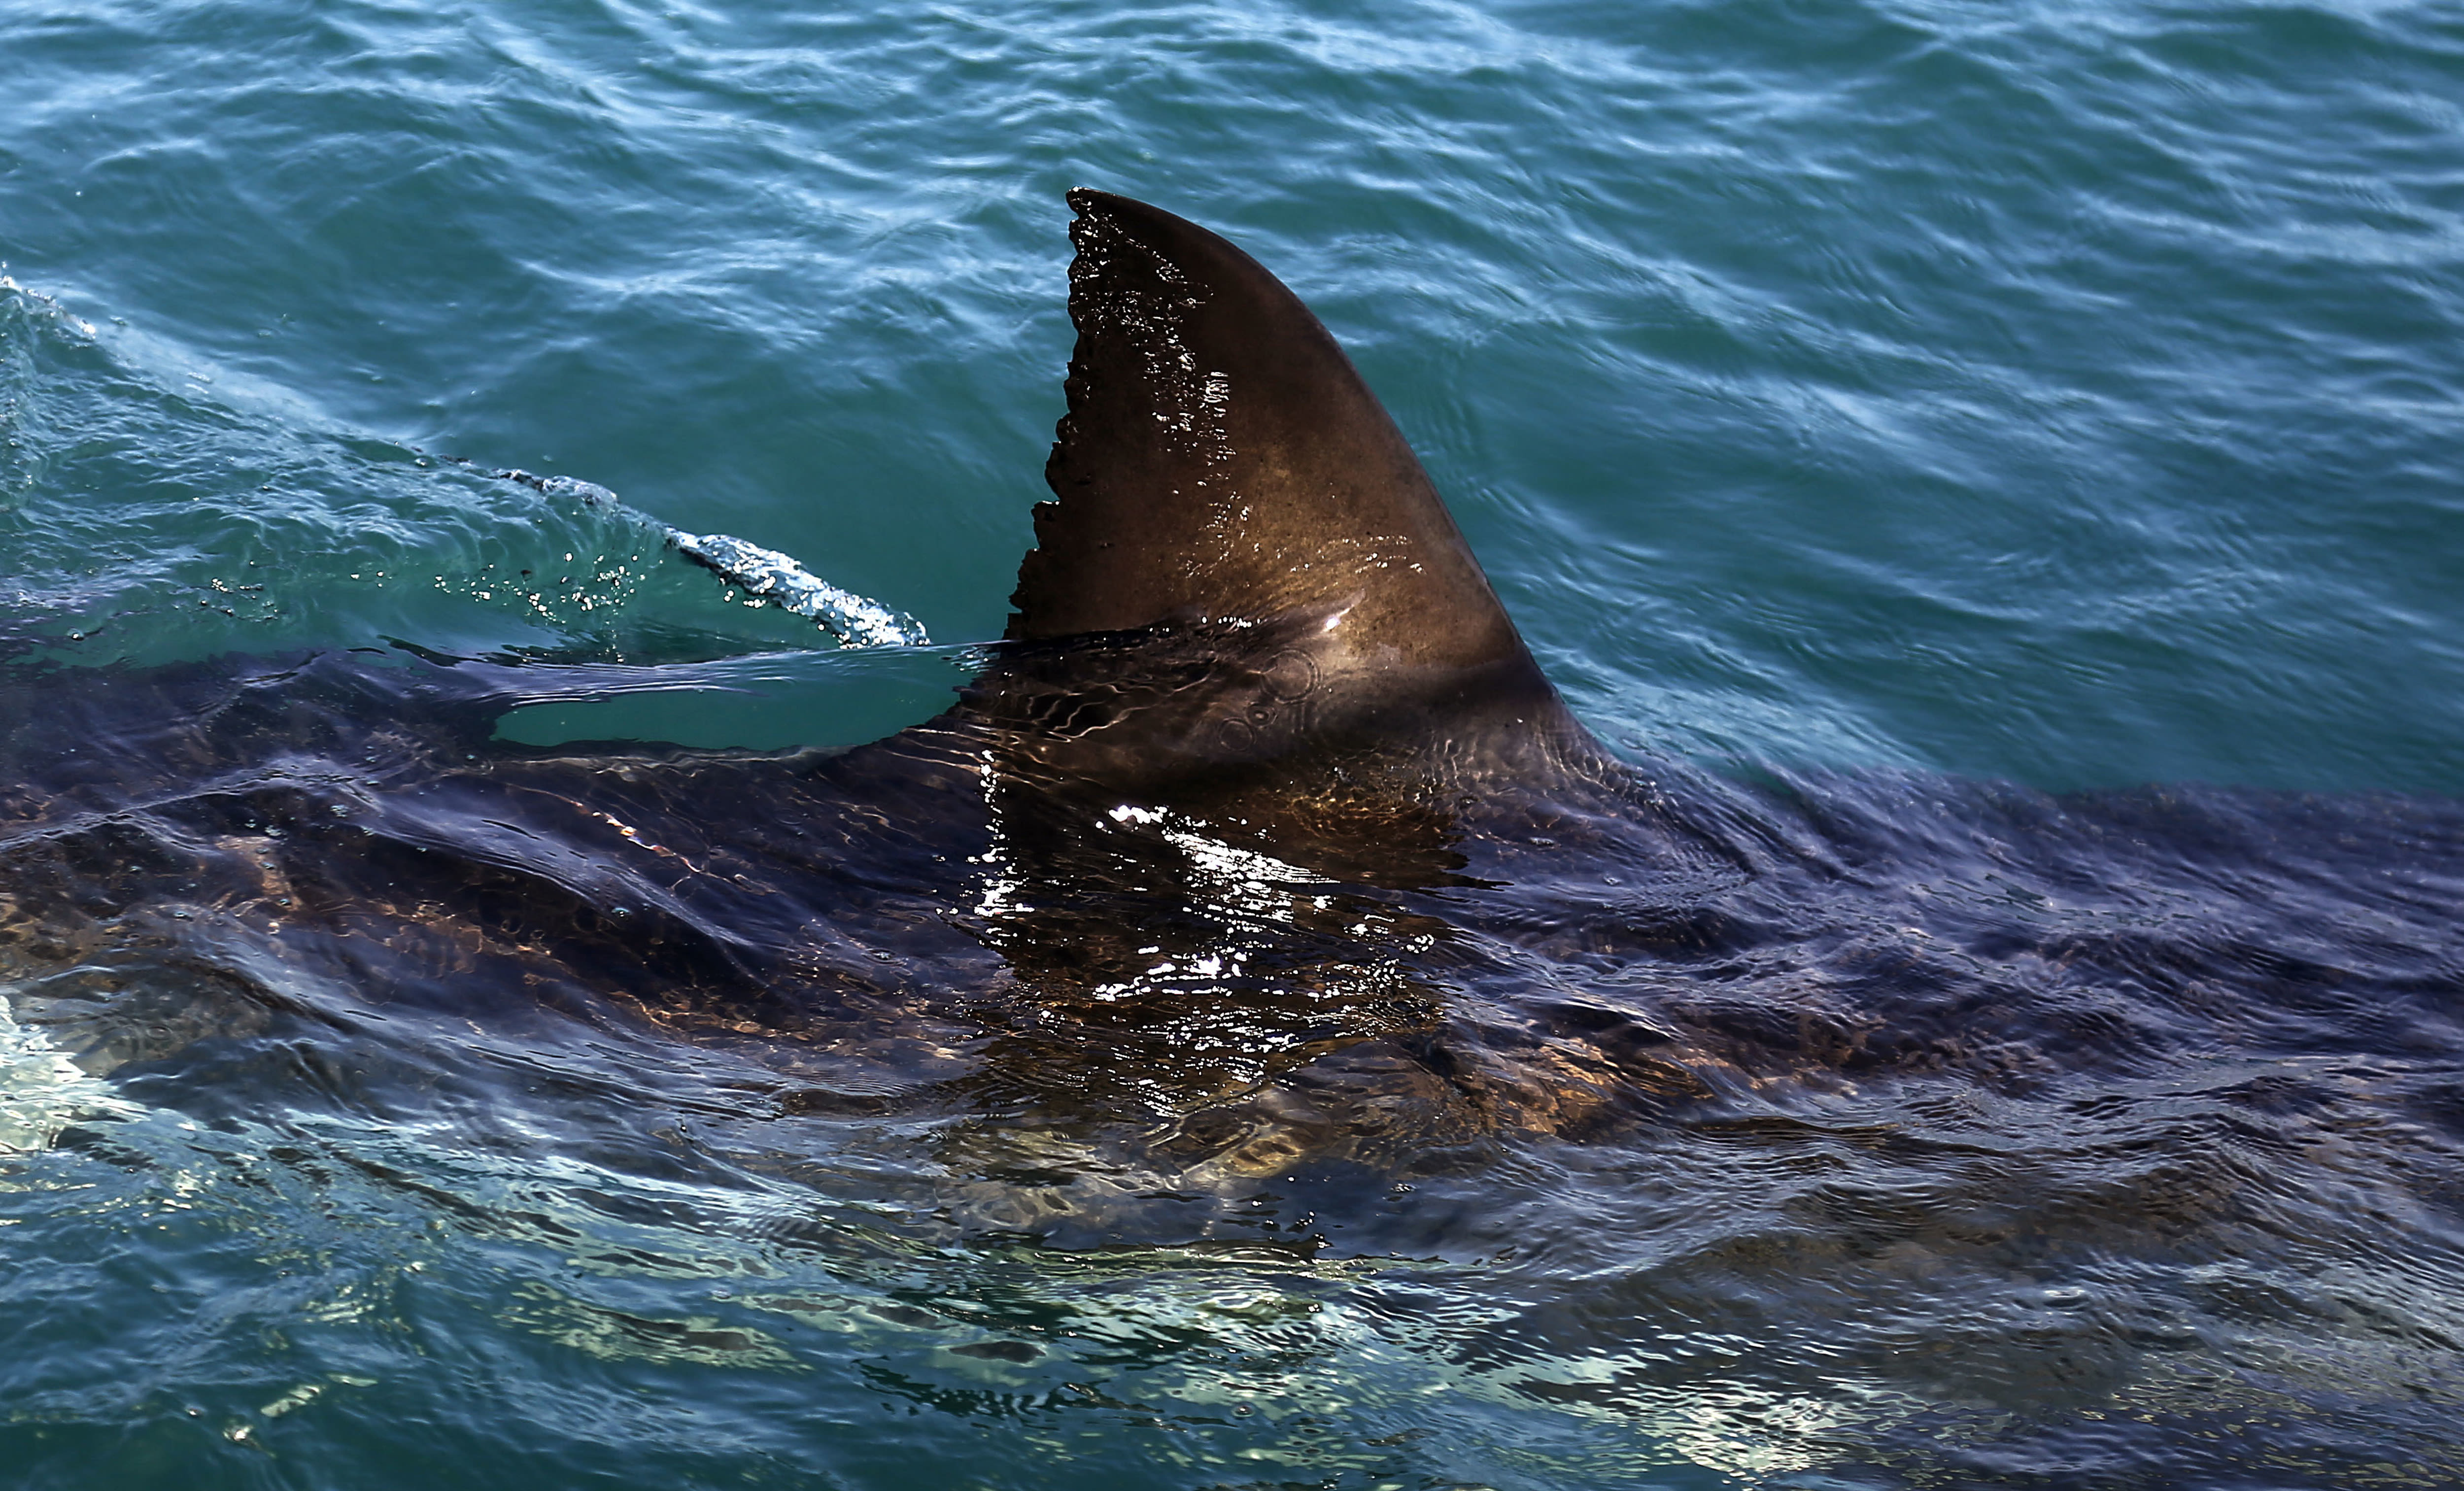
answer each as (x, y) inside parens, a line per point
(1222, 460)
(1247, 596)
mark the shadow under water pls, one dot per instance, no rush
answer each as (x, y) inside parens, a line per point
(2081, 1132)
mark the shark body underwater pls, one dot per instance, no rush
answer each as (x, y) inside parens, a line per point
(1260, 876)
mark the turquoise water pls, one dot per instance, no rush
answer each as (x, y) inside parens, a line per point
(2069, 396)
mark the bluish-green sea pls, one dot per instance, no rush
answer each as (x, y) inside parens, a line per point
(2063, 398)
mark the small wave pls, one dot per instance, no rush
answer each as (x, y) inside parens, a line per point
(39, 304)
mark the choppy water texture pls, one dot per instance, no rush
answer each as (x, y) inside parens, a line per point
(1908, 431)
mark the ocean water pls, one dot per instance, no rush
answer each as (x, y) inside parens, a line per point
(1920, 408)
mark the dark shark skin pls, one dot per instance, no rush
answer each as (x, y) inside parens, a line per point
(1262, 873)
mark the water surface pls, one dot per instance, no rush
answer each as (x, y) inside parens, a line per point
(1877, 417)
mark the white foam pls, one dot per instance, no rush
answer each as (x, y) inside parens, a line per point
(42, 1091)
(765, 574)
(777, 578)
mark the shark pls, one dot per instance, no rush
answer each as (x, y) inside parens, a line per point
(1259, 853)
(1251, 657)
